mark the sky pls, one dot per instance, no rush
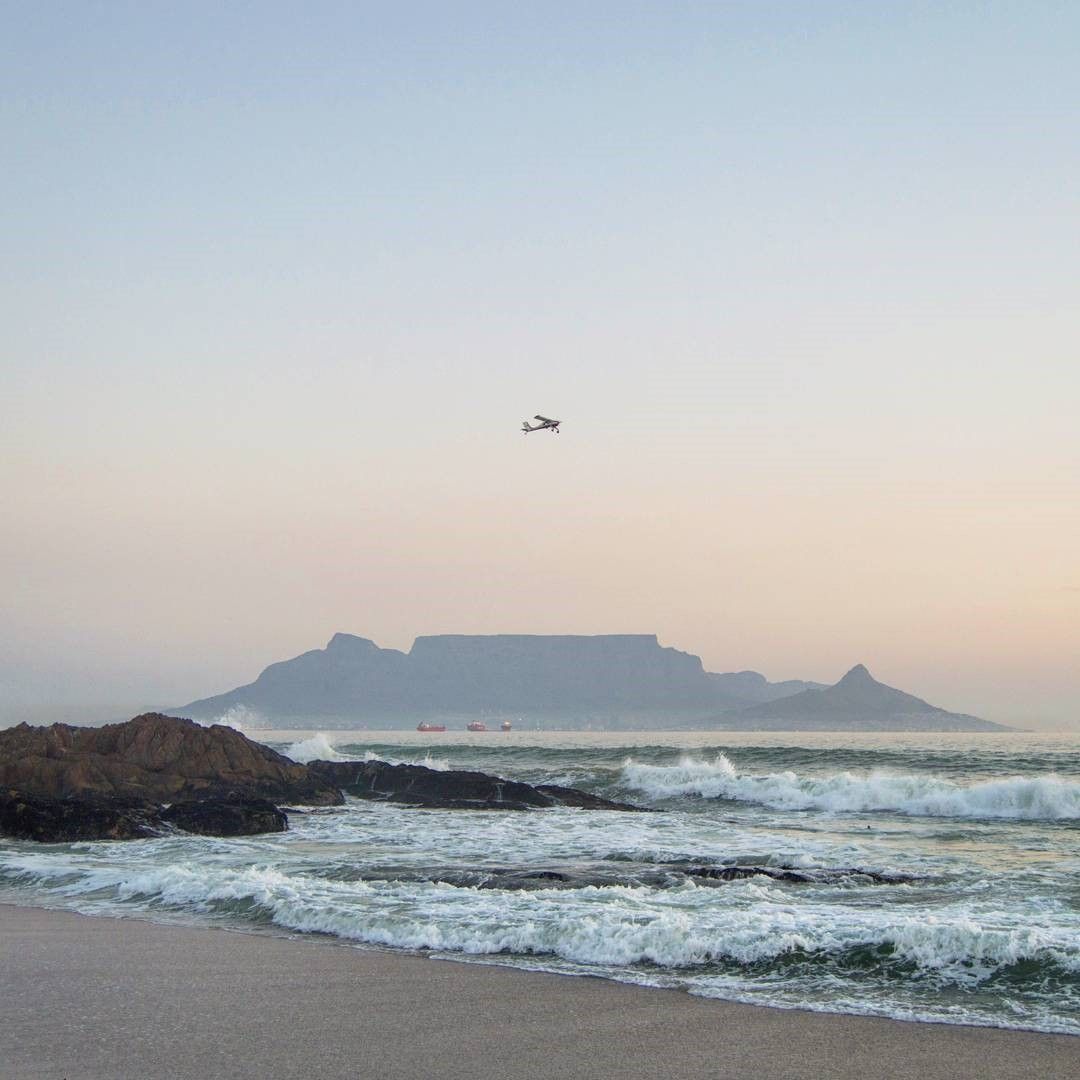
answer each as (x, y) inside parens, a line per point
(280, 282)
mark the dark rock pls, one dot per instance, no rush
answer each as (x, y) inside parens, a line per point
(56, 821)
(566, 796)
(226, 817)
(417, 785)
(737, 873)
(420, 786)
(34, 817)
(156, 758)
(525, 879)
(818, 876)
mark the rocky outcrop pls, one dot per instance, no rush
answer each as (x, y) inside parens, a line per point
(64, 784)
(226, 817)
(155, 758)
(416, 785)
(51, 821)
(72, 819)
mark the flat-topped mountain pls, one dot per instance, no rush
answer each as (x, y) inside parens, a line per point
(858, 702)
(612, 680)
(460, 674)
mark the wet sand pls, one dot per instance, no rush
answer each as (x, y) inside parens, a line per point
(85, 998)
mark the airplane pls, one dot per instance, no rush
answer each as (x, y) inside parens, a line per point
(544, 425)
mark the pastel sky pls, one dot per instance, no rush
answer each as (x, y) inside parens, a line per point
(280, 282)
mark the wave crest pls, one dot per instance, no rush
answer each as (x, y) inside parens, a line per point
(1047, 797)
(318, 747)
(315, 748)
(241, 718)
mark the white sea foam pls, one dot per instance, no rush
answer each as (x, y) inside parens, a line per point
(319, 748)
(1046, 797)
(316, 748)
(985, 931)
(748, 922)
(429, 762)
(240, 717)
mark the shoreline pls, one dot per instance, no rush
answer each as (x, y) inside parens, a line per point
(103, 997)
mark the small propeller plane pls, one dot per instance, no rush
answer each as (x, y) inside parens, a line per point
(545, 424)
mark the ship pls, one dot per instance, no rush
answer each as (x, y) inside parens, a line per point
(476, 725)
(425, 726)
(505, 725)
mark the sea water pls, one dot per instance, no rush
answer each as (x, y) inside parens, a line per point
(938, 875)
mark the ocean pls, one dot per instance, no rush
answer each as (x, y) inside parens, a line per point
(916, 876)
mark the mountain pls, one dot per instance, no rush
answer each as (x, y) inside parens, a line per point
(608, 678)
(858, 702)
(751, 687)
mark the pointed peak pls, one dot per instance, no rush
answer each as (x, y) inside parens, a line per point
(858, 674)
(349, 641)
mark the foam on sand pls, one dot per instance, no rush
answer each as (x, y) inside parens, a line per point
(221, 987)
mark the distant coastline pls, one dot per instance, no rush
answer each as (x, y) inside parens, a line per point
(606, 682)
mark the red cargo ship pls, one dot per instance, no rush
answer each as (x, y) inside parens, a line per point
(424, 726)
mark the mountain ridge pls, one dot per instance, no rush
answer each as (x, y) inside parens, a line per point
(857, 702)
(609, 680)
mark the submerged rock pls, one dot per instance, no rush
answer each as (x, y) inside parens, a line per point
(817, 876)
(567, 796)
(57, 821)
(227, 817)
(455, 789)
(153, 757)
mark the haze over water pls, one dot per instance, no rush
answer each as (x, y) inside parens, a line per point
(280, 285)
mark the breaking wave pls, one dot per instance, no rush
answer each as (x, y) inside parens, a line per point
(940, 916)
(239, 717)
(1036, 798)
(607, 926)
(319, 748)
(316, 748)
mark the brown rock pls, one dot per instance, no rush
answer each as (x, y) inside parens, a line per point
(155, 758)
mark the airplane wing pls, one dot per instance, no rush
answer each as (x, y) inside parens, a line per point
(544, 419)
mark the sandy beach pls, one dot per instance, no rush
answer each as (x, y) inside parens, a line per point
(86, 998)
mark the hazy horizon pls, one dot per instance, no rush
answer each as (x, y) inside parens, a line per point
(83, 709)
(799, 280)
